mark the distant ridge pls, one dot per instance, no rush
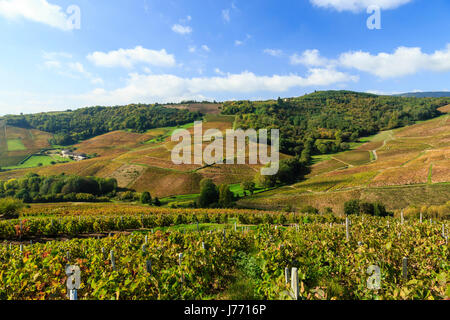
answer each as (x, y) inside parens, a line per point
(437, 94)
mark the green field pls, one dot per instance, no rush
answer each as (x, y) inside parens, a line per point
(37, 161)
(15, 145)
(166, 132)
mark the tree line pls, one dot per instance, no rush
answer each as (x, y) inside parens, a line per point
(34, 188)
(70, 127)
(327, 122)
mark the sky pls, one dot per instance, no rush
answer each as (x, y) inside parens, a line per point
(59, 55)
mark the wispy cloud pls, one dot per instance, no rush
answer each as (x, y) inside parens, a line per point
(61, 63)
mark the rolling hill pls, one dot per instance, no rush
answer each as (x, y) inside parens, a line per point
(142, 161)
(400, 167)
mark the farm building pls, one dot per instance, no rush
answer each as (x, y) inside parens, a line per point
(77, 156)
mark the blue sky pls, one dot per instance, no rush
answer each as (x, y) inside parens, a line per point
(146, 51)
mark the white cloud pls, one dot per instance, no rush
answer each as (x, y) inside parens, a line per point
(39, 11)
(238, 43)
(192, 49)
(404, 61)
(310, 58)
(178, 28)
(129, 57)
(147, 88)
(383, 93)
(273, 52)
(206, 48)
(358, 5)
(166, 87)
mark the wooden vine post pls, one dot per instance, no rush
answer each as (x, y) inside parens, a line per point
(347, 229)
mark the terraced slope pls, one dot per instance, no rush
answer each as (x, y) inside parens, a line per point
(143, 162)
(400, 167)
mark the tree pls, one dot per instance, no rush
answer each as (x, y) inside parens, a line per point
(379, 210)
(249, 186)
(157, 202)
(366, 208)
(9, 208)
(208, 194)
(266, 181)
(24, 195)
(352, 207)
(226, 197)
(146, 198)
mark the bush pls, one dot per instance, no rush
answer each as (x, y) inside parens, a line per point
(310, 210)
(352, 207)
(182, 204)
(146, 198)
(9, 208)
(357, 207)
(209, 195)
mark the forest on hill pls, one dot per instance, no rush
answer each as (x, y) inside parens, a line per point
(72, 126)
(328, 121)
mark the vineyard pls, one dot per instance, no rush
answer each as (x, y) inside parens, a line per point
(149, 254)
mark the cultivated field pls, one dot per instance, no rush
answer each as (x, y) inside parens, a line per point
(205, 108)
(143, 161)
(16, 144)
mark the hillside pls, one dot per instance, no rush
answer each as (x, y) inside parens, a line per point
(401, 167)
(312, 126)
(142, 161)
(73, 126)
(17, 144)
(327, 121)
